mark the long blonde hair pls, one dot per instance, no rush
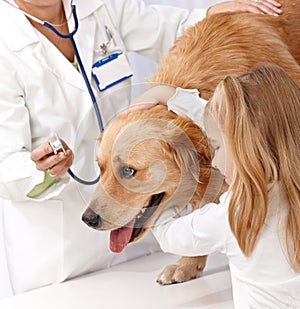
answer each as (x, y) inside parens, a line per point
(259, 114)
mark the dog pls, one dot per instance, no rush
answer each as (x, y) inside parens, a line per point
(153, 159)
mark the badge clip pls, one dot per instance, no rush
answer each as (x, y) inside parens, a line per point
(104, 46)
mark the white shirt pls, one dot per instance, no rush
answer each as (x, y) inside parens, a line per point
(44, 241)
(263, 280)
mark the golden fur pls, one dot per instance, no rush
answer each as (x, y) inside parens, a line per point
(167, 152)
(232, 43)
(139, 142)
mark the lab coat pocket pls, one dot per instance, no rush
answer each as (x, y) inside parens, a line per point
(33, 235)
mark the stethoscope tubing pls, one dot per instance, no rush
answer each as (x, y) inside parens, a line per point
(70, 36)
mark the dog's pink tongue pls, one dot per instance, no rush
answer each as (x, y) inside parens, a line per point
(120, 238)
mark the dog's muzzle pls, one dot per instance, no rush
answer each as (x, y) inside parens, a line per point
(92, 219)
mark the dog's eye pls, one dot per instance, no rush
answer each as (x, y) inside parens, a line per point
(126, 172)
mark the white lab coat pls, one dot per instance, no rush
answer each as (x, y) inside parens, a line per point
(43, 241)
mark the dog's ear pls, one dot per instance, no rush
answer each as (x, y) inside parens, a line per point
(187, 159)
(188, 146)
(190, 151)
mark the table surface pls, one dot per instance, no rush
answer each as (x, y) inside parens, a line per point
(133, 285)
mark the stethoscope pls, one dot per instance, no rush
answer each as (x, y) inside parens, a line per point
(57, 145)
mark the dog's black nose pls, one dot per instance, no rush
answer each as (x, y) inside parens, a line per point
(91, 218)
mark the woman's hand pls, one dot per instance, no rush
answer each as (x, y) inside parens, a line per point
(55, 165)
(159, 94)
(270, 7)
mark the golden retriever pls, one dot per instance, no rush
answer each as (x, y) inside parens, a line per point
(152, 159)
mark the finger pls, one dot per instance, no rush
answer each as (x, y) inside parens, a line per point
(57, 171)
(266, 7)
(270, 3)
(273, 3)
(61, 167)
(258, 9)
(50, 161)
(64, 144)
(44, 149)
(41, 152)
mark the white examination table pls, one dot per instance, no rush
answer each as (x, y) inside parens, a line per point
(133, 285)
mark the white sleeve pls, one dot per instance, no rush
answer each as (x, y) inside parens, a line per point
(151, 30)
(18, 174)
(187, 102)
(202, 232)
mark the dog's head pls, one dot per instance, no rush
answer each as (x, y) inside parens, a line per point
(149, 160)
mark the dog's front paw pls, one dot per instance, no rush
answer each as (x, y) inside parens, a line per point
(175, 274)
(185, 269)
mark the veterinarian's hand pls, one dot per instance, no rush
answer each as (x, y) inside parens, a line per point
(270, 7)
(55, 165)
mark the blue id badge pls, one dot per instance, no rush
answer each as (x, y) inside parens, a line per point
(111, 70)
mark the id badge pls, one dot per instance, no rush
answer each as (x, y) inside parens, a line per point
(111, 70)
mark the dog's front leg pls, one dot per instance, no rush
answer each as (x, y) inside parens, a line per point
(185, 269)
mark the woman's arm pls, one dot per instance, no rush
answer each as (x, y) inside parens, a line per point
(18, 173)
(186, 102)
(155, 95)
(201, 232)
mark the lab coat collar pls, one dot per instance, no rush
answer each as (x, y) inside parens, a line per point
(15, 29)
(83, 10)
(17, 42)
